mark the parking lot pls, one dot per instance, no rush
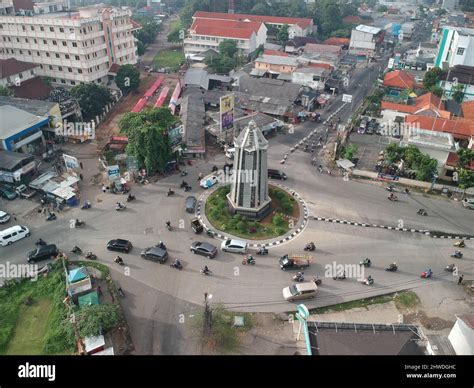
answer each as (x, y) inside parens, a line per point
(369, 147)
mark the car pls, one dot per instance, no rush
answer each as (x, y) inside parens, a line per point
(155, 254)
(44, 252)
(7, 192)
(277, 174)
(468, 203)
(208, 181)
(25, 192)
(10, 235)
(4, 217)
(298, 291)
(204, 248)
(234, 246)
(191, 204)
(119, 245)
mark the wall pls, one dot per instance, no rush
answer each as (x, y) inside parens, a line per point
(462, 338)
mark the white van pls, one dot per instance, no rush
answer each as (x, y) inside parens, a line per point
(468, 202)
(13, 234)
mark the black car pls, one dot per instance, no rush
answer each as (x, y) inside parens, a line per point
(119, 245)
(155, 254)
(44, 252)
(204, 249)
(191, 204)
(276, 174)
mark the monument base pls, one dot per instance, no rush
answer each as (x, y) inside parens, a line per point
(253, 214)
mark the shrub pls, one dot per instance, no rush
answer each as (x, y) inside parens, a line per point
(278, 220)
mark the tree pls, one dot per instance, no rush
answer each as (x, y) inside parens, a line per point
(259, 9)
(93, 320)
(371, 3)
(227, 59)
(176, 35)
(437, 91)
(128, 78)
(458, 93)
(5, 91)
(431, 77)
(228, 48)
(282, 35)
(92, 99)
(465, 178)
(381, 8)
(147, 137)
(466, 156)
(140, 48)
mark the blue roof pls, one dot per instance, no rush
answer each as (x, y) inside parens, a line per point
(77, 274)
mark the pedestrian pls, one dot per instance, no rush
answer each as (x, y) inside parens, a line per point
(81, 177)
(99, 291)
(104, 189)
(80, 164)
(461, 277)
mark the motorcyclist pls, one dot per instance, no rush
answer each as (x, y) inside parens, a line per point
(457, 253)
(393, 265)
(161, 245)
(118, 260)
(177, 263)
(250, 259)
(170, 191)
(40, 242)
(205, 269)
(300, 276)
(168, 224)
(392, 195)
(370, 279)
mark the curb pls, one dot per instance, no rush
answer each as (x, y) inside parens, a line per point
(423, 231)
(284, 239)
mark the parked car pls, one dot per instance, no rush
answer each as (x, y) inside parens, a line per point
(468, 202)
(7, 192)
(204, 249)
(234, 246)
(277, 174)
(4, 217)
(119, 245)
(15, 233)
(191, 204)
(44, 252)
(155, 254)
(196, 225)
(300, 291)
(208, 181)
(25, 191)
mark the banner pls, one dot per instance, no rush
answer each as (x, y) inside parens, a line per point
(70, 162)
(227, 112)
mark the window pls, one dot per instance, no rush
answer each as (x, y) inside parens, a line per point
(79, 71)
(23, 28)
(73, 82)
(76, 57)
(21, 52)
(61, 29)
(74, 44)
(38, 54)
(41, 28)
(50, 67)
(66, 56)
(34, 40)
(29, 52)
(32, 28)
(57, 55)
(26, 40)
(60, 68)
(63, 81)
(69, 69)
(55, 43)
(17, 39)
(47, 54)
(51, 29)
(44, 41)
(460, 51)
(32, 72)
(64, 43)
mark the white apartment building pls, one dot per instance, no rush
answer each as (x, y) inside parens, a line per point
(71, 48)
(365, 40)
(456, 47)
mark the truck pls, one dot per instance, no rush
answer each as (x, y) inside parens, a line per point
(196, 225)
(25, 192)
(295, 261)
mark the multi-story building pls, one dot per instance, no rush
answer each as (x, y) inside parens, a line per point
(461, 79)
(366, 40)
(206, 34)
(71, 48)
(456, 47)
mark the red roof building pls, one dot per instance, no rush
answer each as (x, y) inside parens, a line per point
(399, 79)
(11, 67)
(461, 129)
(427, 103)
(468, 110)
(343, 42)
(352, 19)
(32, 89)
(275, 52)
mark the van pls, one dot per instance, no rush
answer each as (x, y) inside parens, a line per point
(277, 174)
(300, 291)
(468, 202)
(15, 233)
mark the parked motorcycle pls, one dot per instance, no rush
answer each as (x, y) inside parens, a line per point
(91, 256)
(427, 273)
(262, 251)
(76, 250)
(457, 254)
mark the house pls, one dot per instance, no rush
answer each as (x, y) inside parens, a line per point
(78, 282)
(314, 48)
(467, 109)
(366, 40)
(462, 335)
(352, 19)
(458, 77)
(399, 79)
(16, 166)
(275, 64)
(342, 42)
(296, 44)
(427, 48)
(205, 34)
(461, 129)
(311, 76)
(37, 108)
(456, 47)
(275, 52)
(297, 26)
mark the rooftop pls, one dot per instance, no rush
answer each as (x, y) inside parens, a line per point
(464, 74)
(226, 32)
(277, 60)
(15, 120)
(461, 30)
(322, 48)
(192, 115)
(33, 89)
(368, 29)
(11, 66)
(399, 79)
(459, 128)
(9, 159)
(36, 107)
(468, 110)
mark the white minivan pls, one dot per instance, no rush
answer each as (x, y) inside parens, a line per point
(468, 202)
(15, 233)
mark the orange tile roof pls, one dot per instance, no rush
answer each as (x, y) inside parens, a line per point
(459, 128)
(468, 110)
(453, 161)
(275, 52)
(321, 65)
(399, 79)
(337, 41)
(427, 101)
(225, 28)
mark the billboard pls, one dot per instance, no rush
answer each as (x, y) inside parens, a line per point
(70, 162)
(227, 112)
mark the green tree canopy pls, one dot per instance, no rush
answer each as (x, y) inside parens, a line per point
(431, 77)
(5, 91)
(147, 136)
(282, 35)
(92, 99)
(458, 93)
(466, 156)
(128, 78)
(93, 320)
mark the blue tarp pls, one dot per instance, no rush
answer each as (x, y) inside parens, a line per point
(77, 274)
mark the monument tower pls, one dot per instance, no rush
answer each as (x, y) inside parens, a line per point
(249, 189)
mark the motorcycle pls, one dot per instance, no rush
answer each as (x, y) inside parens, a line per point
(368, 281)
(76, 249)
(460, 244)
(187, 188)
(79, 223)
(176, 265)
(316, 280)
(390, 188)
(40, 242)
(183, 185)
(120, 292)
(248, 260)
(450, 268)
(457, 255)
(262, 251)
(422, 212)
(426, 274)
(161, 245)
(119, 260)
(310, 247)
(393, 198)
(51, 217)
(208, 272)
(391, 268)
(298, 278)
(87, 205)
(120, 207)
(91, 256)
(169, 192)
(169, 227)
(184, 173)
(130, 198)
(366, 263)
(340, 277)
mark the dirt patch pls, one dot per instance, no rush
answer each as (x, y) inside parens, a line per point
(429, 323)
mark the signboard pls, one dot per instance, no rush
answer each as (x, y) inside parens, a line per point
(175, 135)
(387, 177)
(226, 112)
(70, 162)
(347, 98)
(113, 171)
(391, 63)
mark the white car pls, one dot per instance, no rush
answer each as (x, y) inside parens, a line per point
(234, 246)
(4, 217)
(468, 202)
(208, 181)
